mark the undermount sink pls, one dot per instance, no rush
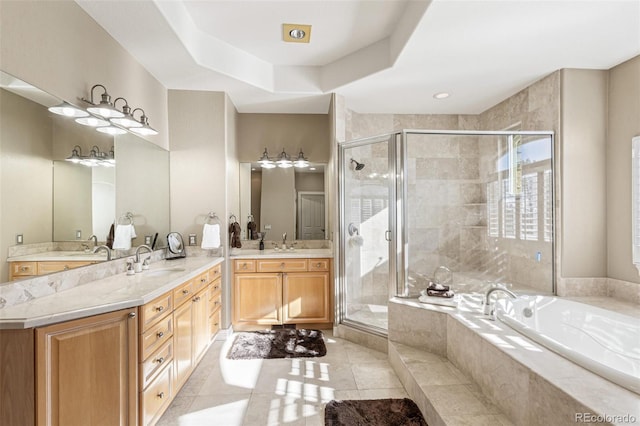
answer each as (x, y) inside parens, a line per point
(165, 271)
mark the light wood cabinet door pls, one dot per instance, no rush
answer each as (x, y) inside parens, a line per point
(201, 336)
(183, 344)
(306, 297)
(86, 371)
(258, 299)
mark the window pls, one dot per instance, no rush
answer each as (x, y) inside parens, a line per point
(529, 208)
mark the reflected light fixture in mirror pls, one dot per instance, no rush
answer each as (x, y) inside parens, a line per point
(95, 158)
(265, 161)
(283, 161)
(301, 162)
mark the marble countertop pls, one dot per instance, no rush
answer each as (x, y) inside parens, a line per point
(60, 256)
(272, 253)
(120, 291)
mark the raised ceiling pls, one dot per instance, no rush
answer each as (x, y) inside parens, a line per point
(382, 56)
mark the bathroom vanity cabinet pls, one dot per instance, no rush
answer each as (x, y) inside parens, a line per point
(282, 291)
(19, 269)
(117, 368)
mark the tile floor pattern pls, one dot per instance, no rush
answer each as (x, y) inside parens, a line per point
(225, 392)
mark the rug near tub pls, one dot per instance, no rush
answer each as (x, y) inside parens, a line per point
(378, 412)
(281, 343)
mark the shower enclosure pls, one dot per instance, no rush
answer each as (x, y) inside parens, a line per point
(468, 209)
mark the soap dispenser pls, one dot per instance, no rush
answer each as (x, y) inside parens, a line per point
(261, 245)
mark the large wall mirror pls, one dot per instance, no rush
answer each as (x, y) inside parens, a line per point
(46, 199)
(284, 200)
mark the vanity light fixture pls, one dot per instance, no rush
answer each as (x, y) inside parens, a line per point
(111, 130)
(92, 121)
(105, 108)
(144, 129)
(68, 110)
(301, 162)
(265, 161)
(284, 162)
(127, 121)
(76, 155)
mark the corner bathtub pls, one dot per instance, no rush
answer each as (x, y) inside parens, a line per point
(605, 342)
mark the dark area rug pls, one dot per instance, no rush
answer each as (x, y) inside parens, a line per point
(282, 343)
(373, 412)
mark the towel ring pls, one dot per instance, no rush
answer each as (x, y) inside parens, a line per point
(212, 218)
(233, 218)
(127, 216)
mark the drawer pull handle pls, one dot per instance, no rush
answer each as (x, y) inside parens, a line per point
(244, 266)
(160, 308)
(24, 268)
(160, 334)
(318, 265)
(185, 291)
(195, 299)
(216, 272)
(216, 287)
(66, 267)
(203, 280)
(217, 302)
(160, 360)
(216, 324)
(282, 265)
(132, 314)
(161, 395)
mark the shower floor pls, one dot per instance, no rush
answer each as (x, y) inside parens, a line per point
(369, 314)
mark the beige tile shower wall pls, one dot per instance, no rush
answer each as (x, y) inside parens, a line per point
(623, 124)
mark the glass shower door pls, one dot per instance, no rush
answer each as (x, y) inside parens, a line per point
(366, 232)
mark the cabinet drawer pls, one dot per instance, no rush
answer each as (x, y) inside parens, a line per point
(158, 395)
(216, 287)
(215, 302)
(23, 269)
(154, 310)
(182, 293)
(241, 266)
(319, 265)
(49, 267)
(282, 265)
(214, 322)
(155, 337)
(155, 363)
(215, 272)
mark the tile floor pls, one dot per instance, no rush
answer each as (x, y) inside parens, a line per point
(280, 391)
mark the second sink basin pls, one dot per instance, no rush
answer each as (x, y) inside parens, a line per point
(165, 271)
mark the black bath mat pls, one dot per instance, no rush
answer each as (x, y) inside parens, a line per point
(281, 343)
(373, 412)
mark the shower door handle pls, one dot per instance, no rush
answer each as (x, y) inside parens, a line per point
(387, 235)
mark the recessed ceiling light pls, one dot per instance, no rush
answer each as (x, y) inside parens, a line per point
(296, 33)
(441, 95)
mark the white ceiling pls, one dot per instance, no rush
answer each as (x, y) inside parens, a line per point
(387, 56)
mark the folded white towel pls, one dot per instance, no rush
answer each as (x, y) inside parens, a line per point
(123, 236)
(210, 236)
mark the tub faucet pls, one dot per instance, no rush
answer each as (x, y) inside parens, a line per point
(142, 246)
(486, 301)
(105, 248)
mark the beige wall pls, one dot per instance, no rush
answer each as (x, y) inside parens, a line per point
(623, 124)
(583, 175)
(57, 47)
(26, 177)
(309, 132)
(278, 192)
(72, 187)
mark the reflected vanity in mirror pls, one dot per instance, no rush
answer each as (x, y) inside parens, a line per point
(54, 212)
(284, 200)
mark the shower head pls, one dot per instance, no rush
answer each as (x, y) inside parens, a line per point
(359, 166)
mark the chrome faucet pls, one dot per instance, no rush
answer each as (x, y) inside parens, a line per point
(486, 301)
(94, 238)
(284, 240)
(105, 248)
(142, 246)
